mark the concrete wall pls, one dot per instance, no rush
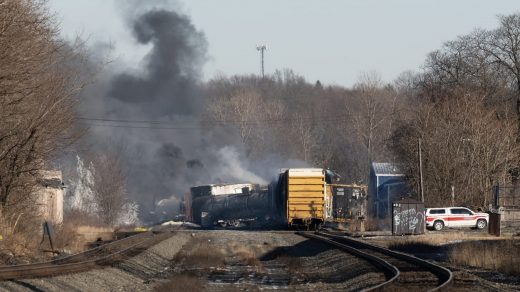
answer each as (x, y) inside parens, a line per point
(49, 196)
(510, 215)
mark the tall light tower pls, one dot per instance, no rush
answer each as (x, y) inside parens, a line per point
(262, 48)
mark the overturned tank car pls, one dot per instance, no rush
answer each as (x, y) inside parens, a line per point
(251, 207)
(231, 205)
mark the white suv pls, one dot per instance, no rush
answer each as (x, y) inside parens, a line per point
(438, 218)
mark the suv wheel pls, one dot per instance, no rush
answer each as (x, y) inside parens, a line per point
(438, 225)
(481, 224)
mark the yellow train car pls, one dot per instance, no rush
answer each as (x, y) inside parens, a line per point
(307, 203)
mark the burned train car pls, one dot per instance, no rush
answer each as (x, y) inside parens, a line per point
(250, 208)
(349, 202)
(300, 197)
(297, 198)
(201, 199)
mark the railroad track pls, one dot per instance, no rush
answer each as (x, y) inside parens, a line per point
(104, 255)
(402, 271)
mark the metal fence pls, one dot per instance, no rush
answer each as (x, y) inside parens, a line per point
(506, 197)
(505, 212)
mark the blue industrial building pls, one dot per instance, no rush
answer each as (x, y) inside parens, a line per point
(387, 184)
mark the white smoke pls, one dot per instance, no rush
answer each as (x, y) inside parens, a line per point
(82, 197)
(166, 209)
(235, 167)
(82, 194)
(129, 215)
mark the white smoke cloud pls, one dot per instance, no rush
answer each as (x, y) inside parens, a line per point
(82, 198)
(235, 168)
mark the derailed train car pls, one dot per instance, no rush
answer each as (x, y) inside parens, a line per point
(200, 197)
(300, 197)
(251, 207)
(303, 197)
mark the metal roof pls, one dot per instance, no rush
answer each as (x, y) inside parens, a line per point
(305, 172)
(386, 169)
(52, 183)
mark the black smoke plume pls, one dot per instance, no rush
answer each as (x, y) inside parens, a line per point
(172, 69)
(165, 91)
(162, 163)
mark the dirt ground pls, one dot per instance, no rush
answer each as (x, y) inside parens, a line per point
(251, 261)
(224, 260)
(439, 246)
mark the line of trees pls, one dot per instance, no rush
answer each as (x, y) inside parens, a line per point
(41, 76)
(36, 97)
(282, 114)
(464, 106)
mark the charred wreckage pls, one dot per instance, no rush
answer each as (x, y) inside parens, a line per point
(300, 198)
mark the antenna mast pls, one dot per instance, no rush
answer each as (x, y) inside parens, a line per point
(262, 48)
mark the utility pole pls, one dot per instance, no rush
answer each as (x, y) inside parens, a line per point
(261, 49)
(420, 172)
(453, 196)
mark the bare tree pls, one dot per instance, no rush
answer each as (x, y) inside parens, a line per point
(466, 144)
(503, 46)
(109, 187)
(484, 60)
(36, 96)
(369, 111)
(304, 136)
(250, 114)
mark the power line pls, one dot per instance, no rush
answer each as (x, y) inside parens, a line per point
(123, 121)
(213, 122)
(113, 123)
(139, 127)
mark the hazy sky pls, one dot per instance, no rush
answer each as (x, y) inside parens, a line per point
(332, 41)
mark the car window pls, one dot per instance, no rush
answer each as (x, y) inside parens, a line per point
(461, 212)
(439, 211)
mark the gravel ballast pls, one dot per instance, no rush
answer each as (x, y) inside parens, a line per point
(138, 273)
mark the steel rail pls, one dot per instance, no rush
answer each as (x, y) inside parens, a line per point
(71, 258)
(391, 272)
(59, 267)
(445, 275)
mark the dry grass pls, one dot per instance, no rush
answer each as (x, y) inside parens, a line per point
(430, 239)
(502, 256)
(21, 234)
(201, 255)
(79, 229)
(79, 218)
(183, 283)
(247, 257)
(67, 238)
(92, 229)
(293, 263)
(246, 254)
(467, 249)
(373, 224)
